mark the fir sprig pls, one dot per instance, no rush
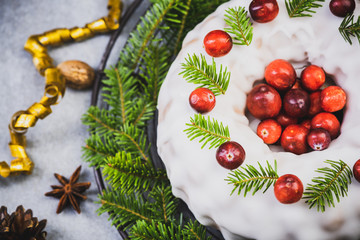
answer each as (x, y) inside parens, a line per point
(210, 131)
(196, 70)
(332, 185)
(127, 174)
(302, 8)
(348, 28)
(145, 32)
(249, 178)
(239, 25)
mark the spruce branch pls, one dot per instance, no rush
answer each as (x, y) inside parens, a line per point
(156, 230)
(101, 121)
(133, 140)
(302, 8)
(239, 25)
(196, 70)
(145, 31)
(156, 65)
(128, 174)
(164, 205)
(249, 178)
(119, 91)
(193, 230)
(332, 185)
(348, 28)
(125, 209)
(97, 149)
(209, 130)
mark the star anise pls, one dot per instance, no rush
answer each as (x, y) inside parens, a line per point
(69, 191)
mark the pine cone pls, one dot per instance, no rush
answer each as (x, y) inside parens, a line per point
(21, 225)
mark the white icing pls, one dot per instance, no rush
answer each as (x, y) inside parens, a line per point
(198, 179)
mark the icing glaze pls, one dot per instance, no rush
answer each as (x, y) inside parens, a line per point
(198, 179)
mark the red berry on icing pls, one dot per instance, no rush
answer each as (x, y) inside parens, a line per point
(263, 11)
(327, 121)
(356, 170)
(288, 189)
(269, 131)
(293, 139)
(202, 100)
(296, 103)
(230, 155)
(312, 77)
(263, 101)
(315, 103)
(319, 139)
(218, 43)
(280, 74)
(341, 8)
(333, 98)
(285, 120)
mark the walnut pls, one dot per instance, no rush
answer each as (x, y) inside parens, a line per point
(78, 74)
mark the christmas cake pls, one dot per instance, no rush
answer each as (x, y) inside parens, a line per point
(195, 170)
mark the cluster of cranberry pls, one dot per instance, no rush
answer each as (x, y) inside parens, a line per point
(303, 107)
(263, 11)
(300, 99)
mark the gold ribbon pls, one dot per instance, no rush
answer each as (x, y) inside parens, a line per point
(54, 83)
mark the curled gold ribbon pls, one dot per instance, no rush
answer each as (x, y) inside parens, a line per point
(54, 83)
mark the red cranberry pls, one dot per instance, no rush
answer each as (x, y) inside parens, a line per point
(230, 155)
(333, 98)
(288, 189)
(293, 139)
(327, 121)
(263, 101)
(285, 120)
(312, 77)
(341, 8)
(296, 103)
(269, 131)
(218, 43)
(202, 100)
(280, 74)
(315, 103)
(356, 170)
(263, 11)
(319, 139)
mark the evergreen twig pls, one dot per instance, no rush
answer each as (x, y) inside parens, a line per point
(302, 8)
(348, 28)
(249, 178)
(332, 185)
(196, 70)
(209, 130)
(239, 25)
(127, 174)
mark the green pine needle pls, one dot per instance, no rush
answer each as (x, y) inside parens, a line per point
(196, 70)
(143, 230)
(193, 230)
(302, 8)
(249, 178)
(209, 130)
(127, 174)
(330, 187)
(125, 210)
(348, 28)
(240, 25)
(164, 204)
